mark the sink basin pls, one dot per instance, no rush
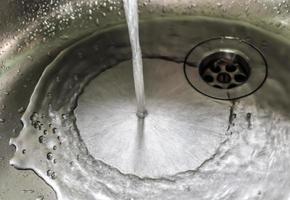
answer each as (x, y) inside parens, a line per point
(67, 123)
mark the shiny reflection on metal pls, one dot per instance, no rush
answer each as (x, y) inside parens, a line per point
(173, 138)
(225, 68)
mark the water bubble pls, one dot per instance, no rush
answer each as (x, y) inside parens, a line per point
(54, 130)
(49, 156)
(53, 175)
(49, 172)
(33, 117)
(42, 139)
(39, 125)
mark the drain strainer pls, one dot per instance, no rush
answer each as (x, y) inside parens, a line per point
(225, 68)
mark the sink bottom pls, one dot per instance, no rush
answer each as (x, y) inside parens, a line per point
(173, 138)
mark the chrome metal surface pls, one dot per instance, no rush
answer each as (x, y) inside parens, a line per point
(34, 32)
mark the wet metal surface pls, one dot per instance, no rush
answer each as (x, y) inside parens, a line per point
(34, 32)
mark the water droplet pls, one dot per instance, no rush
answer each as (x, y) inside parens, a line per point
(64, 116)
(97, 21)
(49, 172)
(54, 130)
(42, 139)
(30, 57)
(64, 37)
(53, 175)
(21, 110)
(49, 156)
(6, 92)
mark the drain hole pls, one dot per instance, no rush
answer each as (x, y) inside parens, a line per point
(231, 68)
(224, 78)
(225, 69)
(240, 78)
(208, 79)
(215, 68)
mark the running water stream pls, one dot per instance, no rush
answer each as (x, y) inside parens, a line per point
(131, 12)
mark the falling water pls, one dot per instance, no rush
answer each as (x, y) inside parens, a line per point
(131, 11)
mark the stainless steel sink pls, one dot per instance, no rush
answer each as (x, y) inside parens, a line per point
(34, 35)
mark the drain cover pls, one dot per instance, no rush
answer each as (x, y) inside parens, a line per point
(225, 68)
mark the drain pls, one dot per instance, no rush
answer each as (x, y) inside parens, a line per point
(225, 68)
